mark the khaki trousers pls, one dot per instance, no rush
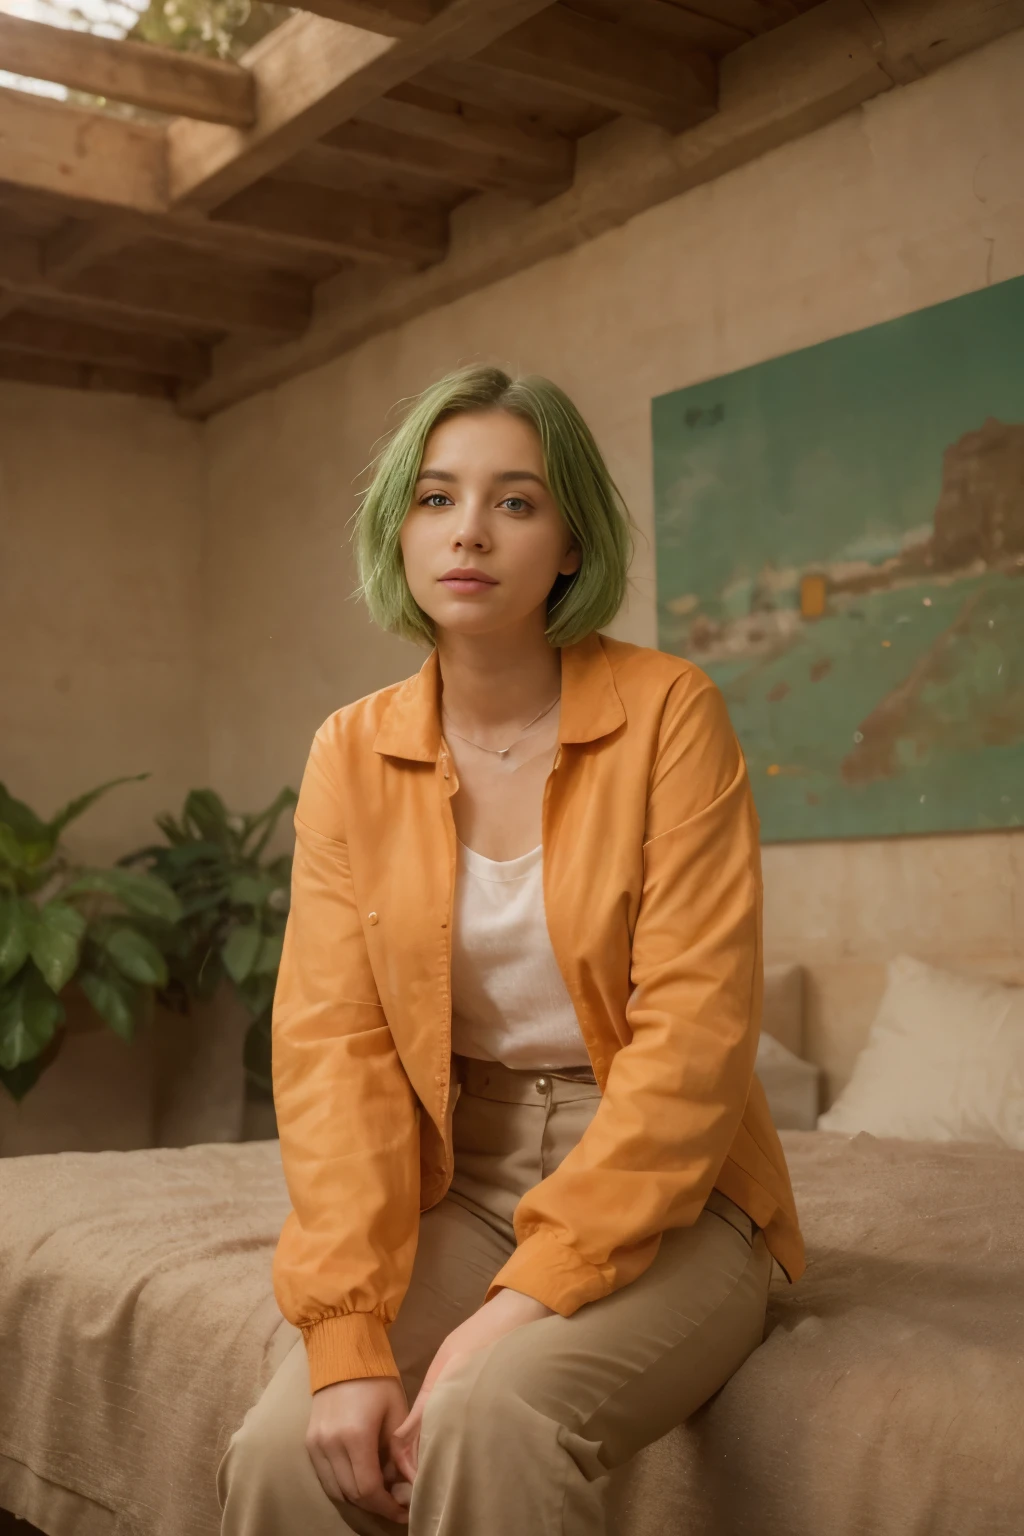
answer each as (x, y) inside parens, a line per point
(522, 1437)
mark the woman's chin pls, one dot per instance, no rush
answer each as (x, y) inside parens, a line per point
(463, 617)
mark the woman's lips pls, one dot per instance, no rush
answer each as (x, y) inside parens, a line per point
(467, 584)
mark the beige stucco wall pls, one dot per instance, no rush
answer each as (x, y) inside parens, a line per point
(911, 200)
(100, 607)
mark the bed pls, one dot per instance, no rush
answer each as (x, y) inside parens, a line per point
(137, 1325)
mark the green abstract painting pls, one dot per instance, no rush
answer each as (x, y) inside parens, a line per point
(840, 546)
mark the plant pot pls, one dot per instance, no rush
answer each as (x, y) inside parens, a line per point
(259, 1123)
(200, 1076)
(96, 1096)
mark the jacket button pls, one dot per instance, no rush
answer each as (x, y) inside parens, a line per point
(541, 1085)
(372, 918)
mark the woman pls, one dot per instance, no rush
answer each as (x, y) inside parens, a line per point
(520, 993)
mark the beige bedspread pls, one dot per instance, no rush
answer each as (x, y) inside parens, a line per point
(137, 1325)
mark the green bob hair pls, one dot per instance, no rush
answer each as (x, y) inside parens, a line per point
(584, 492)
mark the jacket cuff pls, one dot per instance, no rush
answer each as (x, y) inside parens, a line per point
(348, 1345)
(544, 1268)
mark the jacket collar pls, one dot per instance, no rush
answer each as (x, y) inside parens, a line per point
(591, 706)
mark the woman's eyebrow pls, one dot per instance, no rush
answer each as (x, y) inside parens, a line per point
(520, 474)
(505, 474)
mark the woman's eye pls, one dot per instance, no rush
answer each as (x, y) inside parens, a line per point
(522, 505)
(429, 501)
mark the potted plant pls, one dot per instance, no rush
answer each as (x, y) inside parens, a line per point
(225, 951)
(105, 931)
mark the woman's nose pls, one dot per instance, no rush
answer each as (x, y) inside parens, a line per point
(470, 531)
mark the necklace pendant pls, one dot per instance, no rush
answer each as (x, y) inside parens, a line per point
(503, 751)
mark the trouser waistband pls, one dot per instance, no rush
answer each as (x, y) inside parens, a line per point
(521, 1085)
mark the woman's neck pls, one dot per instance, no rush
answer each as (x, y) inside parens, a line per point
(491, 683)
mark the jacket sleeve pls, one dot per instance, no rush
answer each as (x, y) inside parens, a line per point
(346, 1111)
(676, 1092)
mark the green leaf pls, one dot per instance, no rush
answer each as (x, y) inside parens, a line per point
(250, 890)
(16, 918)
(25, 841)
(21, 1078)
(171, 829)
(257, 993)
(177, 860)
(240, 951)
(114, 998)
(74, 808)
(21, 818)
(268, 819)
(188, 854)
(12, 852)
(269, 957)
(191, 906)
(141, 892)
(152, 851)
(208, 814)
(29, 1016)
(135, 956)
(56, 942)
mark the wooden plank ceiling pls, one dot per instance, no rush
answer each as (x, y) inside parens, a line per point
(249, 220)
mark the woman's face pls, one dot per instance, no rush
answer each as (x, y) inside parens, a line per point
(481, 505)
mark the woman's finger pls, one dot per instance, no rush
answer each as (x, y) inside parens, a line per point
(406, 1456)
(367, 1477)
(350, 1473)
(402, 1431)
(325, 1472)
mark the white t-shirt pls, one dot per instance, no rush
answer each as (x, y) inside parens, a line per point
(509, 1001)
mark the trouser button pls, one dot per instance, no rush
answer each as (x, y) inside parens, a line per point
(541, 1085)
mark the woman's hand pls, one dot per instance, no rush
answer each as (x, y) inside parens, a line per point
(350, 1424)
(507, 1310)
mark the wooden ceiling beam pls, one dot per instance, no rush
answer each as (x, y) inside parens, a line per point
(683, 23)
(311, 75)
(53, 147)
(687, 23)
(344, 224)
(489, 156)
(273, 219)
(429, 172)
(648, 75)
(612, 65)
(273, 223)
(776, 88)
(80, 244)
(49, 335)
(180, 84)
(390, 18)
(61, 373)
(270, 305)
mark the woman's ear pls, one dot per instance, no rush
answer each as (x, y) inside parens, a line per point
(571, 561)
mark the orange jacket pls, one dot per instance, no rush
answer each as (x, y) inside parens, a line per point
(652, 888)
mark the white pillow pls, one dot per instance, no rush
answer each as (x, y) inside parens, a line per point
(790, 1085)
(944, 1061)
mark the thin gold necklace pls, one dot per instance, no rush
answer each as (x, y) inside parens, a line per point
(502, 751)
